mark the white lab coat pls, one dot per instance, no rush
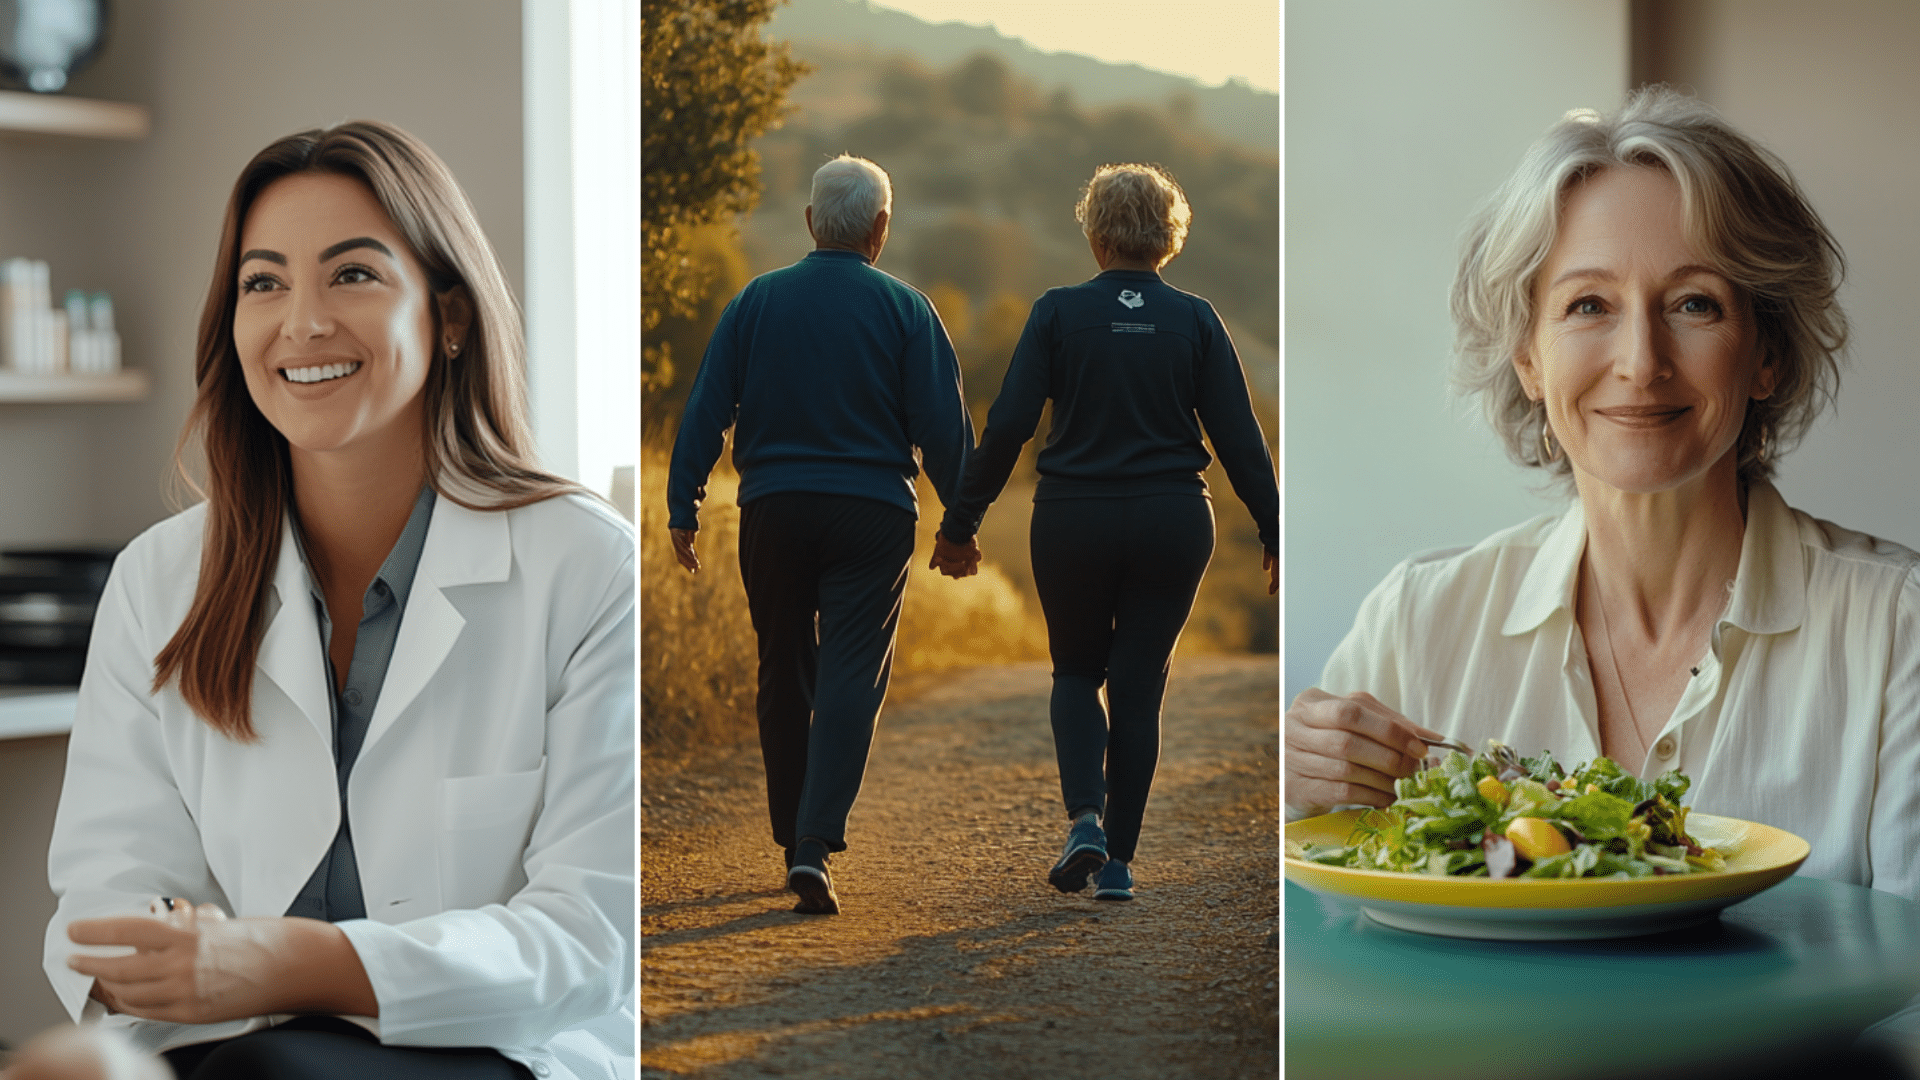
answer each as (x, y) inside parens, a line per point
(491, 803)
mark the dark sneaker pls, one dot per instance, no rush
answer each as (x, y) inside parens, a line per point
(808, 879)
(1114, 883)
(1086, 850)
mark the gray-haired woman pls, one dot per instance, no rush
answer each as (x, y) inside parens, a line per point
(1122, 524)
(1647, 310)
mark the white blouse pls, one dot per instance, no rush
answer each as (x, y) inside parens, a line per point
(1804, 714)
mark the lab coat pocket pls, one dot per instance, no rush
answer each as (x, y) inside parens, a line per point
(485, 823)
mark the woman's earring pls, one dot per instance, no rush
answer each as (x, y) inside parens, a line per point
(453, 348)
(1766, 444)
(1549, 450)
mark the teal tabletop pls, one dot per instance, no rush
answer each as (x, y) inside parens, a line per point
(1806, 963)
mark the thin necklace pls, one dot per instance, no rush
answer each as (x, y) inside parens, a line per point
(1606, 631)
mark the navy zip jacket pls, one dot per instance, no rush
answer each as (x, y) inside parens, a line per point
(1134, 368)
(829, 372)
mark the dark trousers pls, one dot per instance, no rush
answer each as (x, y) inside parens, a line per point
(824, 576)
(1116, 578)
(329, 1048)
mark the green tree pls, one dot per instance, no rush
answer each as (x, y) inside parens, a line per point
(711, 82)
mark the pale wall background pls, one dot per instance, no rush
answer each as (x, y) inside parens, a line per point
(1399, 121)
(141, 219)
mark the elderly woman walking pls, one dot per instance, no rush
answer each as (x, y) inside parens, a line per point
(1122, 523)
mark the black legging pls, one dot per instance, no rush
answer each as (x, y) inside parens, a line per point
(329, 1048)
(1116, 578)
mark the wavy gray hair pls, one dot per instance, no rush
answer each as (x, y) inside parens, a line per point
(1137, 211)
(848, 193)
(1741, 208)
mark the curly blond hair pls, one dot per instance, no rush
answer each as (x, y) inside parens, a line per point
(1136, 211)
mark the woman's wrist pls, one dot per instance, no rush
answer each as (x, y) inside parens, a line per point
(322, 971)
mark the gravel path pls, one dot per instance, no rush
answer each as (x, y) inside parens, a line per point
(952, 956)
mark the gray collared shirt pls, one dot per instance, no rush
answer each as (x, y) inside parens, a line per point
(333, 892)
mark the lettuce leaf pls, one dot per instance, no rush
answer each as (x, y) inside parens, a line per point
(1599, 816)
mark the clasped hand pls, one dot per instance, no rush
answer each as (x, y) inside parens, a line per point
(192, 965)
(955, 560)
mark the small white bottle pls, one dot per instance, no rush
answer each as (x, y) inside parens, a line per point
(16, 322)
(59, 342)
(101, 306)
(81, 340)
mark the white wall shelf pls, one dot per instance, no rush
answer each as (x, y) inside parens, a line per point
(51, 114)
(16, 388)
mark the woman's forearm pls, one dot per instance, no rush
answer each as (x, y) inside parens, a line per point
(321, 972)
(190, 968)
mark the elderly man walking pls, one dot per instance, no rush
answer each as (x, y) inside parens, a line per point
(830, 372)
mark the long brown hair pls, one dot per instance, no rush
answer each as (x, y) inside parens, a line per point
(479, 446)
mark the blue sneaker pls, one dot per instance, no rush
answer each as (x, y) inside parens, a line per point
(808, 878)
(1114, 883)
(1086, 850)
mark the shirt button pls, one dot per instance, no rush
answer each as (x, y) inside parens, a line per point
(353, 698)
(1664, 748)
(540, 1068)
(380, 587)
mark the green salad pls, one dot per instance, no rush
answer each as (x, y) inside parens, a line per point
(1500, 815)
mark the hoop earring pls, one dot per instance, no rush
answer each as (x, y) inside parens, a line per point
(1549, 450)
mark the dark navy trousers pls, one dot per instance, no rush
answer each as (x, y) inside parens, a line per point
(1117, 578)
(824, 575)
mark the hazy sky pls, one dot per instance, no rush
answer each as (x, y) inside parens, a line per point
(1211, 40)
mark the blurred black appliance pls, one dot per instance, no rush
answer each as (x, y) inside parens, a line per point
(47, 600)
(45, 42)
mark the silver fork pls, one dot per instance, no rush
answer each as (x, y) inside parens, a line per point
(1448, 744)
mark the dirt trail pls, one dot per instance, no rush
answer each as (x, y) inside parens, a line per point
(953, 957)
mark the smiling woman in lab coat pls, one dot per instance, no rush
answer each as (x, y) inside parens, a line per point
(373, 699)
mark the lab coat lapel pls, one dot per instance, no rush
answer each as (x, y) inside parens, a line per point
(463, 547)
(290, 652)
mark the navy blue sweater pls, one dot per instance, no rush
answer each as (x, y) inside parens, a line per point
(829, 372)
(1134, 368)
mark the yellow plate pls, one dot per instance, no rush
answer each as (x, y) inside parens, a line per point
(1758, 857)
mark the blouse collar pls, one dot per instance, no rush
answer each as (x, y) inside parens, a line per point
(1769, 588)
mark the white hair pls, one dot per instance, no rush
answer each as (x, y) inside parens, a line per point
(848, 193)
(1740, 207)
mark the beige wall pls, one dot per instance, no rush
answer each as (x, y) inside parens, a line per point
(1834, 89)
(223, 78)
(1400, 116)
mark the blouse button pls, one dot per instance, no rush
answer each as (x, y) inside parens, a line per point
(1664, 747)
(353, 698)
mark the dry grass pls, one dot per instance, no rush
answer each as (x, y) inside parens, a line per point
(697, 667)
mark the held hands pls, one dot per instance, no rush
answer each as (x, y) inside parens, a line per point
(683, 549)
(1347, 750)
(955, 560)
(196, 966)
